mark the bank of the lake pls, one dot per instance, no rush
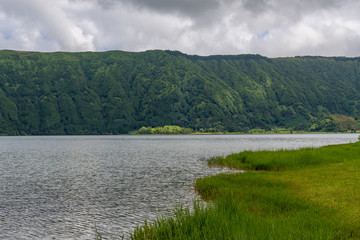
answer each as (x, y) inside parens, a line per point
(310, 193)
(62, 186)
(177, 130)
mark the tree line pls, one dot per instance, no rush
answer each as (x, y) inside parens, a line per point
(116, 92)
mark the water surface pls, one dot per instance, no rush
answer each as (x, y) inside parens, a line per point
(61, 187)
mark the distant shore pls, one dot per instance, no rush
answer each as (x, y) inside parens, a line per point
(176, 130)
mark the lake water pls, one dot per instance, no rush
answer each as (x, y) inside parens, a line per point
(62, 187)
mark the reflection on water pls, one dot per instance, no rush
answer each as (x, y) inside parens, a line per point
(61, 187)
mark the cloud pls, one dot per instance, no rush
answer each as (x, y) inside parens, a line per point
(269, 27)
(185, 7)
(34, 22)
(323, 31)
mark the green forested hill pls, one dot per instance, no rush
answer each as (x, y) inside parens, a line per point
(115, 92)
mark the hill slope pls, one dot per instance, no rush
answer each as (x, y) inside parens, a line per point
(115, 92)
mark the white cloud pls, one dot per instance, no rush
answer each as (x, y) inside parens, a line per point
(33, 22)
(268, 27)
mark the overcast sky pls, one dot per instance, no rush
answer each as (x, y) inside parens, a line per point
(271, 28)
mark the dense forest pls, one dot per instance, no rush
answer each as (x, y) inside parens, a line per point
(116, 92)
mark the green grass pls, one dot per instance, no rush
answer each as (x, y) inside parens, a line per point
(298, 194)
(287, 159)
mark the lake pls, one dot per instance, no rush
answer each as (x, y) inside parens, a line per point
(61, 187)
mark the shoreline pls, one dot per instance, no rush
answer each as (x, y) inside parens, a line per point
(196, 134)
(275, 199)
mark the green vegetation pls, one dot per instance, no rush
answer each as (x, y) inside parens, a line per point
(297, 194)
(165, 130)
(335, 123)
(117, 92)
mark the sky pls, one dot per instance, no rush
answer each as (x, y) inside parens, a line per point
(272, 28)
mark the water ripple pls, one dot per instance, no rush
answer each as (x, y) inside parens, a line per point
(65, 187)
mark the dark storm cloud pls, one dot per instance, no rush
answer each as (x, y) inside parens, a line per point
(184, 7)
(201, 12)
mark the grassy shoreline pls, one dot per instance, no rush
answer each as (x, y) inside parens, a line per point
(245, 133)
(287, 194)
(176, 130)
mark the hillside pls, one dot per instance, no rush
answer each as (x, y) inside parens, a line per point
(116, 92)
